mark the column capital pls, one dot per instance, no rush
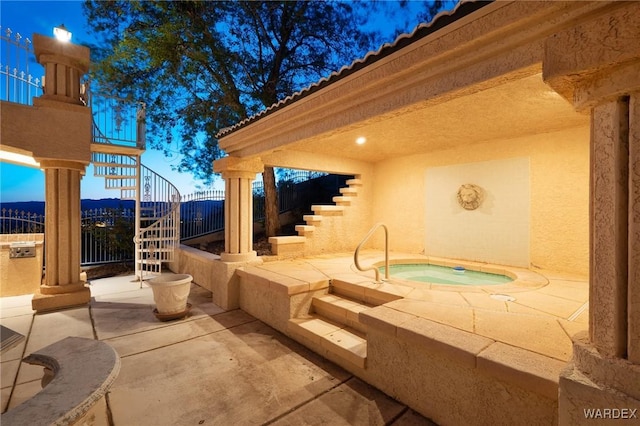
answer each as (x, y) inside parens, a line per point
(47, 163)
(50, 50)
(234, 167)
(595, 61)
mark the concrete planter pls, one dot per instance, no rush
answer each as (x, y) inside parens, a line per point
(170, 292)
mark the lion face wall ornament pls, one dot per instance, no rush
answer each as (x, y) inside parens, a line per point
(470, 196)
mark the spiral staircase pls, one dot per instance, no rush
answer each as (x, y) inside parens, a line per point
(116, 149)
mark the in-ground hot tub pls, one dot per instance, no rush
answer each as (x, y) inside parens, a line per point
(448, 275)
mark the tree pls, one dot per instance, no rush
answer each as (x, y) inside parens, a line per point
(202, 66)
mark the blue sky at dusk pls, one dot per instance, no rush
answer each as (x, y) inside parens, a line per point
(19, 183)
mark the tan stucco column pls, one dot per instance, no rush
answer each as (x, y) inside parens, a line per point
(238, 175)
(62, 285)
(600, 76)
(62, 145)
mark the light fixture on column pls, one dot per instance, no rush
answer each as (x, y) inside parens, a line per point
(62, 33)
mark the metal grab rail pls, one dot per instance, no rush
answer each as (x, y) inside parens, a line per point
(386, 252)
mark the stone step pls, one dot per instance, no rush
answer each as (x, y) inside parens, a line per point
(288, 246)
(340, 309)
(342, 201)
(349, 191)
(312, 219)
(354, 182)
(341, 341)
(327, 210)
(303, 230)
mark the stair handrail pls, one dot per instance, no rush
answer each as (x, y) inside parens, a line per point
(386, 252)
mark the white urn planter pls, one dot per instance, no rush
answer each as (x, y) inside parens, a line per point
(170, 292)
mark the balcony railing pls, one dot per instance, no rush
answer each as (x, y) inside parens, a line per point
(106, 235)
(20, 75)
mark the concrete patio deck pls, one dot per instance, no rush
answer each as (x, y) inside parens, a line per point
(546, 308)
(213, 367)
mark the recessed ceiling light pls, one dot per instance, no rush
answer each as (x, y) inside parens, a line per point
(361, 140)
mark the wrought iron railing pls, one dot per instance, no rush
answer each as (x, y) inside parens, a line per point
(202, 212)
(13, 221)
(18, 81)
(106, 233)
(117, 121)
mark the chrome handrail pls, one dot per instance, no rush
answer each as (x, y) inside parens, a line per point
(386, 252)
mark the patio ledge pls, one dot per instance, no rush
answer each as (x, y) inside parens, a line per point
(83, 370)
(529, 370)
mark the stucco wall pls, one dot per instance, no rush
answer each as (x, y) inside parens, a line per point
(496, 228)
(559, 190)
(20, 276)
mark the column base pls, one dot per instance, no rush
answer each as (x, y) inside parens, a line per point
(52, 298)
(598, 390)
(238, 257)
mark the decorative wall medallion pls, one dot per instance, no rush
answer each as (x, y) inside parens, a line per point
(470, 196)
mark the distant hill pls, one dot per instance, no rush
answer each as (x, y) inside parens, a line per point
(37, 207)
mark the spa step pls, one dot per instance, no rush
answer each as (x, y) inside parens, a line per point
(340, 342)
(340, 309)
(371, 296)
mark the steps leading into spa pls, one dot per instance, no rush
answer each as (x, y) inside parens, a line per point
(333, 327)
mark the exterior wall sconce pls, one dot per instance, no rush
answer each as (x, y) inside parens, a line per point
(62, 33)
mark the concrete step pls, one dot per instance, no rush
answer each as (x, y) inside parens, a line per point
(340, 309)
(342, 201)
(304, 229)
(349, 191)
(327, 210)
(312, 219)
(343, 342)
(288, 246)
(370, 295)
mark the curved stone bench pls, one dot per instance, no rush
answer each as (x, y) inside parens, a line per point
(83, 370)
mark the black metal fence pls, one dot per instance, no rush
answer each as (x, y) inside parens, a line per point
(202, 212)
(106, 234)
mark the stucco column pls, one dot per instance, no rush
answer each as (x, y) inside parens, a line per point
(238, 175)
(600, 75)
(61, 144)
(62, 285)
(609, 232)
(633, 308)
